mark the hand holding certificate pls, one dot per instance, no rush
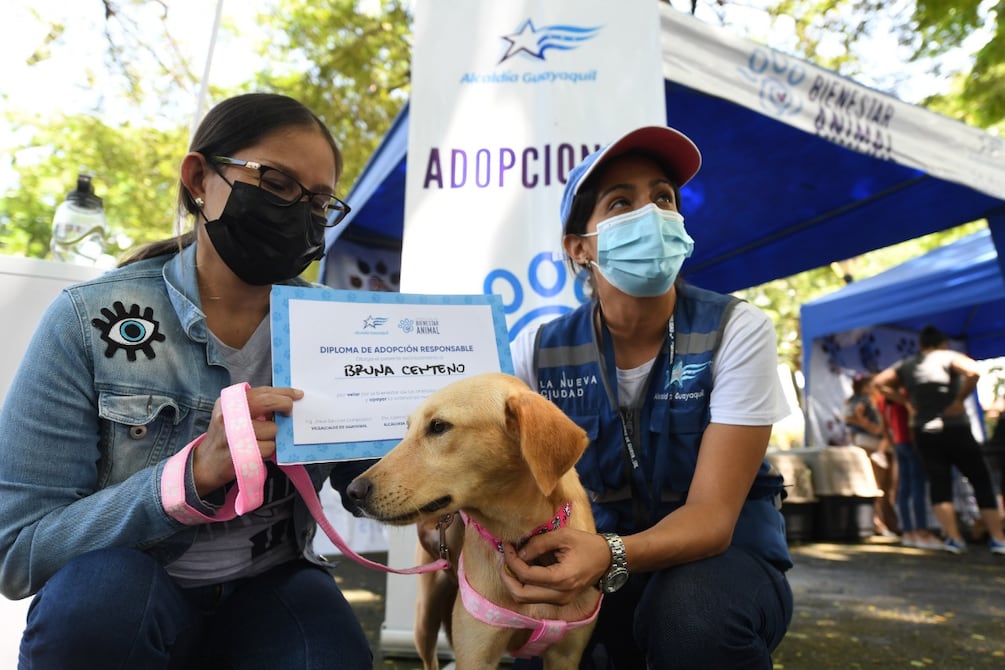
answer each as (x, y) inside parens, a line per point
(366, 359)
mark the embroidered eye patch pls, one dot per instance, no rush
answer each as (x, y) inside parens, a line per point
(129, 331)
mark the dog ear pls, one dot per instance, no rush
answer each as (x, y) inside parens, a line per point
(550, 442)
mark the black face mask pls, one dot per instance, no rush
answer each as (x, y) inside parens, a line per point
(262, 242)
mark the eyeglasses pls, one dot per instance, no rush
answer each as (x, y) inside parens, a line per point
(326, 209)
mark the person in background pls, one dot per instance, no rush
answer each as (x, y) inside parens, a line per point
(113, 454)
(869, 431)
(996, 443)
(861, 416)
(912, 484)
(677, 388)
(936, 382)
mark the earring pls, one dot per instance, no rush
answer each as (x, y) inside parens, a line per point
(199, 202)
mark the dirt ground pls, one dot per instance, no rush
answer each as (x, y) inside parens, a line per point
(879, 605)
(869, 604)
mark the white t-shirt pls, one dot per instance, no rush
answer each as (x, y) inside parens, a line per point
(746, 390)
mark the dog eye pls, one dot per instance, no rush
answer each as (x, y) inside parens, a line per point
(437, 427)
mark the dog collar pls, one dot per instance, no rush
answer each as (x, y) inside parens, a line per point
(560, 519)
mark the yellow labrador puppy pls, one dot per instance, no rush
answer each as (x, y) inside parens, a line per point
(502, 456)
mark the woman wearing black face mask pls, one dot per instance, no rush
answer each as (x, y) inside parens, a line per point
(123, 375)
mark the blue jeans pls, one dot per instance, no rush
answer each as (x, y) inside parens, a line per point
(727, 611)
(912, 499)
(118, 608)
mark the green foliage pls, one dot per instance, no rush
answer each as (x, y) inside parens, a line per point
(928, 29)
(817, 20)
(350, 67)
(941, 25)
(944, 24)
(982, 93)
(134, 171)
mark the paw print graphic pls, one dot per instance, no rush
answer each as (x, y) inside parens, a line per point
(547, 277)
(778, 77)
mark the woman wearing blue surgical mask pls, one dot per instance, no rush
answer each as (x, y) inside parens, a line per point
(113, 454)
(677, 389)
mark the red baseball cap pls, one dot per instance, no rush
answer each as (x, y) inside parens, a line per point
(672, 148)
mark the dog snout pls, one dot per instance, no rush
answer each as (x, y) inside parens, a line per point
(359, 490)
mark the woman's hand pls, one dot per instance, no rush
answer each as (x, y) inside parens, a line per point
(579, 560)
(212, 466)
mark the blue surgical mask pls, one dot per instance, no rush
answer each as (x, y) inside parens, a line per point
(641, 252)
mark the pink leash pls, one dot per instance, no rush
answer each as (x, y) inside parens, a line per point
(248, 492)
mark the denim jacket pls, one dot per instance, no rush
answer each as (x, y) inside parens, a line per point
(119, 375)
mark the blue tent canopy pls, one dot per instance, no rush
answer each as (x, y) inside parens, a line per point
(794, 175)
(958, 288)
(872, 323)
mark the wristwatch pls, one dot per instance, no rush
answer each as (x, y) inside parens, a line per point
(617, 574)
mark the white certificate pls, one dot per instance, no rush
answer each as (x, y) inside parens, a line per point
(365, 360)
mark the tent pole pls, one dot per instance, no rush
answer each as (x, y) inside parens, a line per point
(200, 106)
(996, 223)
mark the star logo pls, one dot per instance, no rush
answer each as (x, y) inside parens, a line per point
(374, 322)
(532, 42)
(682, 373)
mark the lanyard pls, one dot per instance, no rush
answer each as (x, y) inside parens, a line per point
(629, 415)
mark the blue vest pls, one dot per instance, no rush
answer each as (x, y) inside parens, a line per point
(641, 460)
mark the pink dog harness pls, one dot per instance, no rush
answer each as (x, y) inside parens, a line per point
(546, 632)
(248, 494)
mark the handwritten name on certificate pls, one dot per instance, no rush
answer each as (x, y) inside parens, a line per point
(365, 360)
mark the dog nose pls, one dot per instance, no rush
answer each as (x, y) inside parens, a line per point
(359, 489)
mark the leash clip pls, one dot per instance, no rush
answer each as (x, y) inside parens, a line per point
(442, 526)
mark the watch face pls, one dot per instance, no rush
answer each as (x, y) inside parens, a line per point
(614, 580)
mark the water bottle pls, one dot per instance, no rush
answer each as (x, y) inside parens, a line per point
(78, 227)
